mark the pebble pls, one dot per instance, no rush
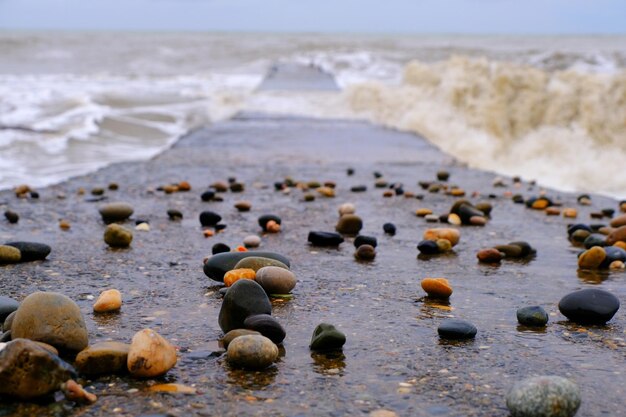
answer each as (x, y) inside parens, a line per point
(437, 287)
(243, 299)
(443, 175)
(510, 251)
(31, 251)
(117, 236)
(423, 212)
(594, 239)
(233, 334)
(324, 238)
(589, 306)
(252, 241)
(209, 218)
(7, 306)
(365, 240)
(490, 255)
(21, 379)
(218, 264)
(477, 221)
(485, 207)
(220, 248)
(207, 195)
(51, 318)
(267, 325)
(618, 221)
(150, 355)
(326, 337)
(103, 358)
(257, 262)
(431, 218)
(570, 213)
(358, 188)
(365, 252)
(592, 258)
(428, 247)
(553, 211)
(108, 301)
(613, 254)
(175, 214)
(451, 235)
(115, 212)
(617, 235)
(349, 224)
(11, 216)
(389, 228)
(532, 316)
(527, 250)
(143, 227)
(276, 280)
(243, 206)
(8, 321)
(454, 219)
(346, 208)
(238, 273)
(9, 255)
(266, 218)
(456, 329)
(544, 396)
(220, 186)
(252, 352)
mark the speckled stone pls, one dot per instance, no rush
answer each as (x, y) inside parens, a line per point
(532, 316)
(252, 352)
(544, 396)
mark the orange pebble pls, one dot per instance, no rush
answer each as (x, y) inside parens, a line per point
(620, 244)
(437, 287)
(208, 232)
(272, 227)
(553, 211)
(184, 186)
(65, 225)
(241, 249)
(235, 275)
(570, 213)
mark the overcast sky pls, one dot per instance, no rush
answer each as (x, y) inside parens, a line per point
(375, 16)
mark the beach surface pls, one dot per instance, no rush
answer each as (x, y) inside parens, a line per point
(393, 358)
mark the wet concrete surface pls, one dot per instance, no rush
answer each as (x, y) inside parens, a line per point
(393, 358)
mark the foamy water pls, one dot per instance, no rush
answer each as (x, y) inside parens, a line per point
(551, 109)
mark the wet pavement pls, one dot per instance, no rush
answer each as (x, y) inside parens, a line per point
(393, 358)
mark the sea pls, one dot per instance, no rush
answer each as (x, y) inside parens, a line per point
(548, 108)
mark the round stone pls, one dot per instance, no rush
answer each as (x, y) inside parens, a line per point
(9, 255)
(589, 306)
(51, 318)
(365, 253)
(243, 299)
(267, 325)
(594, 239)
(209, 218)
(346, 208)
(252, 241)
(544, 396)
(349, 224)
(233, 334)
(456, 329)
(266, 218)
(11, 216)
(31, 251)
(108, 301)
(117, 236)
(115, 212)
(324, 238)
(428, 247)
(437, 287)
(174, 214)
(365, 240)
(532, 316)
(490, 255)
(243, 205)
(444, 245)
(220, 248)
(252, 352)
(150, 355)
(103, 358)
(613, 254)
(207, 195)
(592, 258)
(619, 221)
(327, 337)
(276, 280)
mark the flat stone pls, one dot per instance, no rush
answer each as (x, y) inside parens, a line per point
(257, 262)
(115, 212)
(51, 318)
(243, 299)
(589, 306)
(209, 218)
(218, 264)
(7, 306)
(267, 325)
(252, 241)
(103, 358)
(31, 251)
(325, 238)
(544, 396)
(532, 316)
(365, 240)
(456, 329)
(327, 337)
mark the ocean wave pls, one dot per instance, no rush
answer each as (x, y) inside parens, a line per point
(566, 129)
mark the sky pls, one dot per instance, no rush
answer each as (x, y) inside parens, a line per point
(360, 16)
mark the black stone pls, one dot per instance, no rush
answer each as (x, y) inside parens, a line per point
(533, 316)
(350, 171)
(428, 247)
(174, 214)
(220, 226)
(209, 218)
(139, 221)
(243, 299)
(266, 218)
(595, 239)
(219, 264)
(31, 251)
(34, 194)
(456, 329)
(325, 238)
(608, 212)
(208, 195)
(7, 306)
(389, 228)
(359, 188)
(589, 306)
(6, 337)
(399, 191)
(278, 186)
(236, 187)
(579, 226)
(267, 325)
(613, 253)
(365, 240)
(220, 248)
(377, 174)
(327, 337)
(11, 216)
